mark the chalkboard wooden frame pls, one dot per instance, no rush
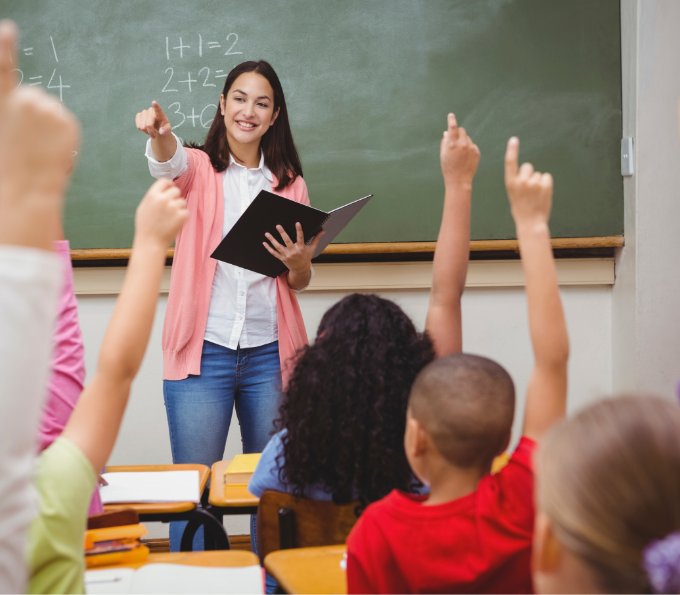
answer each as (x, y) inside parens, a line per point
(393, 247)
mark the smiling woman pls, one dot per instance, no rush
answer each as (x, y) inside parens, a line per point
(229, 332)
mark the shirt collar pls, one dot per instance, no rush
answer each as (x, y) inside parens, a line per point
(265, 170)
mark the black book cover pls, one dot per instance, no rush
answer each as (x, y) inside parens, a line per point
(242, 246)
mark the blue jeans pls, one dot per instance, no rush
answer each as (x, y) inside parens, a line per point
(199, 411)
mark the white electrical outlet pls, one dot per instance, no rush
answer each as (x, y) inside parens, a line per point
(627, 162)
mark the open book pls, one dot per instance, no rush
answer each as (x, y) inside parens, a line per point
(175, 578)
(242, 246)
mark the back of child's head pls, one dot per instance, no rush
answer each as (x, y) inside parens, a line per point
(466, 404)
(609, 484)
(345, 407)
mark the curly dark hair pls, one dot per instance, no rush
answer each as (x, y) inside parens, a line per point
(345, 407)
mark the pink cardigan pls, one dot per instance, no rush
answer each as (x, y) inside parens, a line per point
(193, 271)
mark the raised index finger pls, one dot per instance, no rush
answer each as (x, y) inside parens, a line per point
(511, 155)
(8, 60)
(453, 125)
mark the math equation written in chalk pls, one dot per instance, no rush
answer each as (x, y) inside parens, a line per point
(51, 79)
(183, 81)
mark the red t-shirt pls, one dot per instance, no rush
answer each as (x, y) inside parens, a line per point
(480, 543)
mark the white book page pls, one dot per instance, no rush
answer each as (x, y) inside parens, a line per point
(338, 220)
(176, 578)
(114, 580)
(151, 486)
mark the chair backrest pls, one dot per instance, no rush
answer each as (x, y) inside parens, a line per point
(284, 521)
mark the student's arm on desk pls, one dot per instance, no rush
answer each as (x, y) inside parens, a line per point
(459, 159)
(94, 425)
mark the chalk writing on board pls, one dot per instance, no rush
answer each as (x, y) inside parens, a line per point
(201, 117)
(207, 76)
(171, 50)
(56, 81)
(178, 80)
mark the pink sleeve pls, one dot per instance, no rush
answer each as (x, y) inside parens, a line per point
(68, 364)
(186, 180)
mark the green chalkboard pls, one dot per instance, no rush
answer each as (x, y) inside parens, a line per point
(368, 85)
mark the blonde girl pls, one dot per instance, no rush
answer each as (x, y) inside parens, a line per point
(609, 500)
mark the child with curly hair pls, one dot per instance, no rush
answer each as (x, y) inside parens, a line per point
(342, 421)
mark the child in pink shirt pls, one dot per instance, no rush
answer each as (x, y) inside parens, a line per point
(68, 364)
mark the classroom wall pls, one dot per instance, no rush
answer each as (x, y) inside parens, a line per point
(646, 316)
(494, 324)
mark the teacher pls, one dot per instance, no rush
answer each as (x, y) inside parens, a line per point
(229, 333)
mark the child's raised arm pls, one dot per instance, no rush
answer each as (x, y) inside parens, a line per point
(530, 195)
(459, 159)
(36, 142)
(94, 424)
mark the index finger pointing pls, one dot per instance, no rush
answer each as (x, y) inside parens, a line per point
(8, 60)
(511, 155)
(157, 108)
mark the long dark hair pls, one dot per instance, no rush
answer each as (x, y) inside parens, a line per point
(278, 148)
(345, 408)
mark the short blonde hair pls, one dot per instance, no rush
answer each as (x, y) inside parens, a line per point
(609, 481)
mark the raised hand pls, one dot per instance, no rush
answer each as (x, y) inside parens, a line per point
(529, 191)
(459, 156)
(38, 139)
(153, 121)
(160, 215)
(296, 256)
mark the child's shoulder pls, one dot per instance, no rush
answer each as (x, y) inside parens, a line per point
(266, 475)
(395, 504)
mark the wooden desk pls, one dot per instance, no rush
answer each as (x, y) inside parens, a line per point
(215, 535)
(309, 570)
(229, 499)
(160, 507)
(230, 559)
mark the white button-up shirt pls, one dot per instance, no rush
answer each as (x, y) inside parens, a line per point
(242, 303)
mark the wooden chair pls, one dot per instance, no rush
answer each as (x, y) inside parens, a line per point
(285, 521)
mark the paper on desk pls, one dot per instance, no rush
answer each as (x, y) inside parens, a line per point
(151, 486)
(175, 578)
(113, 580)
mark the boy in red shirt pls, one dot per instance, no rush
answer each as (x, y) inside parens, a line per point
(473, 533)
